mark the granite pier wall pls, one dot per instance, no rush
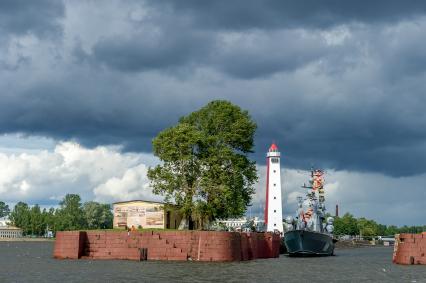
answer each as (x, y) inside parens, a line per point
(166, 245)
(410, 249)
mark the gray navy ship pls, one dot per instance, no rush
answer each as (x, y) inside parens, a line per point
(309, 233)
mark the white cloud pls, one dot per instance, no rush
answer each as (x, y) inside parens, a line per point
(102, 173)
(134, 184)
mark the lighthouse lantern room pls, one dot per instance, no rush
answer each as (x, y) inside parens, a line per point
(273, 207)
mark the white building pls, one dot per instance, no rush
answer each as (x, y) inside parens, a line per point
(7, 231)
(237, 223)
(273, 206)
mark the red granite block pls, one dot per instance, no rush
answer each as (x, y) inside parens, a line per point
(171, 245)
(116, 245)
(244, 247)
(420, 260)
(403, 245)
(403, 260)
(177, 257)
(97, 245)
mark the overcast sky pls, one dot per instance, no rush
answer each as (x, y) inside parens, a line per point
(86, 85)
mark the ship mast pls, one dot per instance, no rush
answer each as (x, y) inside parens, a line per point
(313, 217)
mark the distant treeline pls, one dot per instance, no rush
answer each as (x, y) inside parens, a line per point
(349, 225)
(71, 215)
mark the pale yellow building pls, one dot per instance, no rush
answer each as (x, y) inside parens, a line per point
(145, 214)
(7, 231)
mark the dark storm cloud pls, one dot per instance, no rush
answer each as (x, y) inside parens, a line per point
(255, 54)
(261, 54)
(345, 148)
(38, 17)
(331, 92)
(92, 114)
(363, 130)
(404, 55)
(160, 51)
(243, 14)
(175, 36)
(272, 38)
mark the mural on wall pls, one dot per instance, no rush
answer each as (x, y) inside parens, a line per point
(120, 214)
(154, 218)
(140, 216)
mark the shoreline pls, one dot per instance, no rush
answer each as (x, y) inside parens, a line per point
(27, 239)
(340, 245)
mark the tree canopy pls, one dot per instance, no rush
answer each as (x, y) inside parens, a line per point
(4, 209)
(20, 216)
(97, 215)
(349, 225)
(205, 166)
(346, 225)
(71, 215)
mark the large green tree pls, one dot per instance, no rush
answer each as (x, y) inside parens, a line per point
(4, 209)
(37, 224)
(97, 215)
(21, 217)
(205, 166)
(70, 215)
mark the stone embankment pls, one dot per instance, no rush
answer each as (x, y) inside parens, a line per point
(410, 249)
(166, 245)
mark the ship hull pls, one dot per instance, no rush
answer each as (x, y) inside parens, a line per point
(308, 243)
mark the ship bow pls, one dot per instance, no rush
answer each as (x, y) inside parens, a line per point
(302, 242)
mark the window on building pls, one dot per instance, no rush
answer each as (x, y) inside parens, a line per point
(275, 197)
(275, 210)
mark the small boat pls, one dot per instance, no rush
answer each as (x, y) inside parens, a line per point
(309, 233)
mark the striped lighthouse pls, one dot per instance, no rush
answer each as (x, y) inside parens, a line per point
(273, 207)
